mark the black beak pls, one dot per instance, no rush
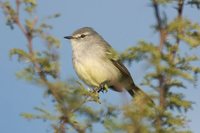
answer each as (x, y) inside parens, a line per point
(69, 37)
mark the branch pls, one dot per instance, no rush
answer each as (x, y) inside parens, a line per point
(157, 14)
(162, 90)
(161, 27)
(180, 8)
(179, 31)
(42, 75)
(74, 124)
(179, 16)
(16, 18)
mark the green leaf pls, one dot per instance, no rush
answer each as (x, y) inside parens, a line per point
(29, 25)
(22, 55)
(53, 40)
(30, 5)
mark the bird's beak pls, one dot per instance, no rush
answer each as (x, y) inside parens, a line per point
(69, 37)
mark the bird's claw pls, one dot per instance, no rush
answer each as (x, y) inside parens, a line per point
(103, 87)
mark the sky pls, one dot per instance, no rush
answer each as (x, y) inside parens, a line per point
(121, 23)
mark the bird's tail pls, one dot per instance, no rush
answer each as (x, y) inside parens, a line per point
(139, 95)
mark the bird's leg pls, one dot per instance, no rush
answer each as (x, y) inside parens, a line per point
(103, 86)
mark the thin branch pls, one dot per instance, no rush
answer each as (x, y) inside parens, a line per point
(62, 127)
(157, 14)
(163, 36)
(16, 18)
(179, 16)
(74, 124)
(83, 102)
(162, 90)
(179, 31)
(180, 8)
(161, 27)
(18, 2)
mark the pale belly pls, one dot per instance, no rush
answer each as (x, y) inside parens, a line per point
(94, 72)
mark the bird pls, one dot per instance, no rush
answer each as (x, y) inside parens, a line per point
(97, 64)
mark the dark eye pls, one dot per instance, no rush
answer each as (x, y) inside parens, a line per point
(82, 36)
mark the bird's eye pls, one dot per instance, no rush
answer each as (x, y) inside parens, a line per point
(82, 36)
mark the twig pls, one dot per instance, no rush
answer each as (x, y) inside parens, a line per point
(180, 8)
(18, 2)
(161, 27)
(16, 18)
(65, 120)
(179, 16)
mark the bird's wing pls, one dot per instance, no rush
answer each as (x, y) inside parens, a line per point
(121, 67)
(114, 58)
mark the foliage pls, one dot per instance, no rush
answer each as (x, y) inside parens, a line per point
(43, 69)
(170, 68)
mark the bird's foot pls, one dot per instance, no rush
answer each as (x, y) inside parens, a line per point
(103, 87)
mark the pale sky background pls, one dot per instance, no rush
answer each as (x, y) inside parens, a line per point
(121, 23)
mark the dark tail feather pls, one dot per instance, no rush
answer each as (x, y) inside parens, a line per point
(137, 92)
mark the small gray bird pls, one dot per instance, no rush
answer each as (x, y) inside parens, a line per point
(97, 63)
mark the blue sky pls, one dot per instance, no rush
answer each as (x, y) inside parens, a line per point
(121, 23)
